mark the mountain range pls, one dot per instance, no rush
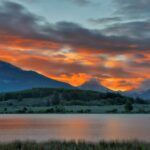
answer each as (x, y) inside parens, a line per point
(13, 78)
(144, 94)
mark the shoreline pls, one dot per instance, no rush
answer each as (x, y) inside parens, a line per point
(75, 109)
(75, 145)
(75, 113)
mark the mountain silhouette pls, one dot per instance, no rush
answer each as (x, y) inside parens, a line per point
(13, 78)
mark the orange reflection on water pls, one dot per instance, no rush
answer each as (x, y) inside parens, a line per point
(75, 128)
(113, 128)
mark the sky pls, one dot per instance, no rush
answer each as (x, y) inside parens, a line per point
(77, 40)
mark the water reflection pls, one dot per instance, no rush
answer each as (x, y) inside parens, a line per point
(74, 127)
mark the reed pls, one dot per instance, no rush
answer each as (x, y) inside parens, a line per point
(72, 145)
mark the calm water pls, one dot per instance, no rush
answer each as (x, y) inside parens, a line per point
(74, 127)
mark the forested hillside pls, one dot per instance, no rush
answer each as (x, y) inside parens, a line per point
(69, 97)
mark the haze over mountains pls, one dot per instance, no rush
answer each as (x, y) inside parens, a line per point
(13, 78)
(94, 85)
(145, 94)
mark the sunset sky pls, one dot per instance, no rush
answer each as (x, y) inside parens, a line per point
(77, 40)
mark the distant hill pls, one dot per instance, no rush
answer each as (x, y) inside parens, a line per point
(143, 91)
(94, 85)
(65, 97)
(58, 100)
(145, 94)
(13, 78)
(140, 94)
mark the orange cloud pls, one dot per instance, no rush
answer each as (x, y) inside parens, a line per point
(73, 68)
(73, 79)
(122, 84)
(70, 52)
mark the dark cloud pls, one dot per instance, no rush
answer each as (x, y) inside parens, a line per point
(133, 8)
(134, 29)
(15, 20)
(143, 64)
(81, 2)
(139, 56)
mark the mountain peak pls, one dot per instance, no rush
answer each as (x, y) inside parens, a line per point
(92, 82)
(94, 85)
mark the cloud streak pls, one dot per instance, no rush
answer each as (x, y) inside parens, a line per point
(108, 20)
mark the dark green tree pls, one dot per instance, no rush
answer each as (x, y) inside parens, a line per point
(19, 98)
(128, 106)
(5, 109)
(56, 99)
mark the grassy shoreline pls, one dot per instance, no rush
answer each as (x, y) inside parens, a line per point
(77, 109)
(72, 145)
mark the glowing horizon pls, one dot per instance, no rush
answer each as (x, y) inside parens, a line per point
(76, 40)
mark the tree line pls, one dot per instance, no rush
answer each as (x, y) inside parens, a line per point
(71, 96)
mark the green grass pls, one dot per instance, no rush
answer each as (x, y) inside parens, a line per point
(74, 109)
(55, 145)
(44, 100)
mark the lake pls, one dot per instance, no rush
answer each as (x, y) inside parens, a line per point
(88, 127)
